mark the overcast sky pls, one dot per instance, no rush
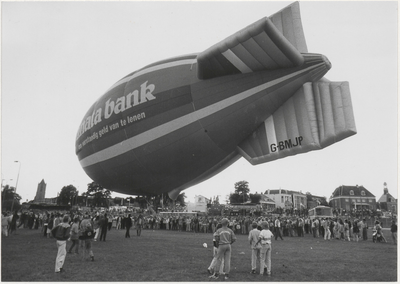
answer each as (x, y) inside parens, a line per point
(59, 57)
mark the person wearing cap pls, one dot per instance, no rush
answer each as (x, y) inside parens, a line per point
(265, 238)
(224, 237)
(255, 247)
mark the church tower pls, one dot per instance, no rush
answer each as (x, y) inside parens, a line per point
(385, 189)
(41, 192)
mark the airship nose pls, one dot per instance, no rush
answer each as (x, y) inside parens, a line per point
(328, 64)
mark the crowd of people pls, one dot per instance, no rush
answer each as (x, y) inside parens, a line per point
(290, 226)
(83, 228)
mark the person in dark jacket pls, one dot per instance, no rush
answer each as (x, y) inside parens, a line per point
(128, 225)
(103, 225)
(61, 233)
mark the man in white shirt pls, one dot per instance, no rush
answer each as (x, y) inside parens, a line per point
(278, 228)
(255, 247)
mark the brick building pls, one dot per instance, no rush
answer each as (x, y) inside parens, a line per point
(352, 197)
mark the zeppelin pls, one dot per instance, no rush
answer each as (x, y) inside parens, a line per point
(178, 122)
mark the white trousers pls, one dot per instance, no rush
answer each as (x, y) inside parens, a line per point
(265, 258)
(62, 252)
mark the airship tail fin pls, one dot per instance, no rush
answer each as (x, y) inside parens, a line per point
(288, 22)
(318, 115)
(268, 44)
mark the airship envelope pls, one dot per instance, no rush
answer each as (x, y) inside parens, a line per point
(257, 94)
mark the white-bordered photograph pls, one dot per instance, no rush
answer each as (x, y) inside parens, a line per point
(199, 141)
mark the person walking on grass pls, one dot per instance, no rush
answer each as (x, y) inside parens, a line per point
(13, 225)
(103, 225)
(5, 221)
(96, 227)
(356, 230)
(74, 235)
(139, 225)
(364, 227)
(393, 230)
(87, 234)
(128, 225)
(224, 237)
(346, 230)
(61, 234)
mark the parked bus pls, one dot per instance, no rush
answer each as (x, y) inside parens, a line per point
(320, 212)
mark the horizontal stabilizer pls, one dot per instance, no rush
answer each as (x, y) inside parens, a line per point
(316, 116)
(258, 47)
(288, 22)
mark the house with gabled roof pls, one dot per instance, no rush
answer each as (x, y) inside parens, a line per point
(352, 197)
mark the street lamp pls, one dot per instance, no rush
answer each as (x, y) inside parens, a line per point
(19, 169)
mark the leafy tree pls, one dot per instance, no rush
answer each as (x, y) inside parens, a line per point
(67, 195)
(99, 193)
(235, 198)
(242, 188)
(7, 196)
(255, 198)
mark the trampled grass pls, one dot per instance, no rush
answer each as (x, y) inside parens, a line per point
(161, 255)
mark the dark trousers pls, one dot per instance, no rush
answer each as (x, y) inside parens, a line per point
(103, 233)
(74, 243)
(365, 234)
(278, 233)
(127, 235)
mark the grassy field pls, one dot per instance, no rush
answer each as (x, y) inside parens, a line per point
(180, 256)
